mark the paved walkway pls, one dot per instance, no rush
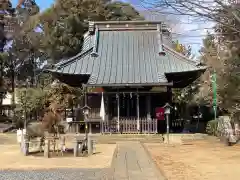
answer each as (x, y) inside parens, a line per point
(131, 162)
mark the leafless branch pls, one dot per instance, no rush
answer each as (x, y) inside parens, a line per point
(214, 10)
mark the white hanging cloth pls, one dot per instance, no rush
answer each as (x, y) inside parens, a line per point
(102, 109)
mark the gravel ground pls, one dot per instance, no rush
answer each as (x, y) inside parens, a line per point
(55, 174)
(197, 160)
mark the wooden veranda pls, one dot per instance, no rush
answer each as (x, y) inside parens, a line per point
(125, 111)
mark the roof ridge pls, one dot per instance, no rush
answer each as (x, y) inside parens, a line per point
(128, 22)
(74, 58)
(188, 60)
(68, 60)
(128, 25)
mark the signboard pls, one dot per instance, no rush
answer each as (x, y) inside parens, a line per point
(69, 115)
(159, 89)
(95, 90)
(160, 113)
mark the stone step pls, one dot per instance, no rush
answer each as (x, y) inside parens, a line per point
(117, 138)
(151, 138)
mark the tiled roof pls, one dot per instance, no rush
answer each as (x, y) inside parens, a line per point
(126, 57)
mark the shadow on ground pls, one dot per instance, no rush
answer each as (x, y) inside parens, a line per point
(55, 174)
(67, 153)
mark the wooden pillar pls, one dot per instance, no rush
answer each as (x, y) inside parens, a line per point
(138, 120)
(85, 103)
(148, 103)
(106, 122)
(169, 94)
(129, 104)
(90, 127)
(118, 112)
(168, 117)
(101, 122)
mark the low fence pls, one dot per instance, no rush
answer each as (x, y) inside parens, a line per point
(76, 127)
(94, 113)
(130, 125)
(126, 126)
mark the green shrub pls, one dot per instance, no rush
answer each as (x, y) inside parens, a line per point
(211, 127)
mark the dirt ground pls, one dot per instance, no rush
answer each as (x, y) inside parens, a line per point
(198, 160)
(11, 158)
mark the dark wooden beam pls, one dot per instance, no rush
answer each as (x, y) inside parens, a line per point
(127, 92)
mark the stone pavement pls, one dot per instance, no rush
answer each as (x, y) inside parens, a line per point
(55, 174)
(132, 162)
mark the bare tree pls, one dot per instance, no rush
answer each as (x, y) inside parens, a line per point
(212, 10)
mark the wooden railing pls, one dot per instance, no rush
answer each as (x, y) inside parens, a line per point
(94, 113)
(129, 125)
(76, 127)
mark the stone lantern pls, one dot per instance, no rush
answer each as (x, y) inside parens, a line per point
(86, 110)
(167, 112)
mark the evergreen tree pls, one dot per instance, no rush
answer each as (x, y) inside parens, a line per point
(59, 36)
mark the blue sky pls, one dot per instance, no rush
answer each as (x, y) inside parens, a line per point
(42, 3)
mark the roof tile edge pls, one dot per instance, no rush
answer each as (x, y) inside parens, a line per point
(128, 25)
(127, 22)
(171, 50)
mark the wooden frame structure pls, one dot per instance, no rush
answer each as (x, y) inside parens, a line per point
(127, 58)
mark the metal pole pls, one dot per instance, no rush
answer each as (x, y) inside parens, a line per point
(167, 118)
(25, 109)
(214, 89)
